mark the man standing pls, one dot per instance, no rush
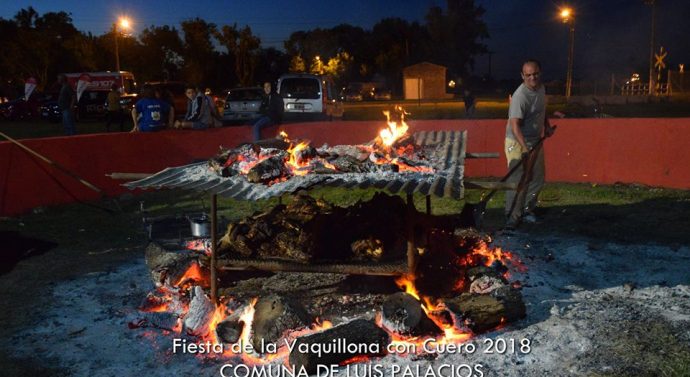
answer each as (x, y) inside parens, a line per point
(66, 101)
(527, 123)
(272, 107)
(114, 111)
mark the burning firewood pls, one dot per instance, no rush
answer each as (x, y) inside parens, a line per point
(167, 266)
(273, 317)
(402, 314)
(229, 330)
(268, 170)
(200, 312)
(393, 150)
(364, 338)
(485, 312)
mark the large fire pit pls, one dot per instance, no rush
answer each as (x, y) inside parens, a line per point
(453, 283)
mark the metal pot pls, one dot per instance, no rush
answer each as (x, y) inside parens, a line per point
(200, 226)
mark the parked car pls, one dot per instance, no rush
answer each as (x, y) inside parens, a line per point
(382, 95)
(308, 95)
(350, 95)
(91, 105)
(243, 104)
(15, 109)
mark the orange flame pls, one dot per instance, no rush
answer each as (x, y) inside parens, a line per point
(193, 274)
(393, 132)
(451, 333)
(297, 166)
(491, 255)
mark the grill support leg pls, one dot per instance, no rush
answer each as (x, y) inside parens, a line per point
(411, 251)
(428, 204)
(214, 242)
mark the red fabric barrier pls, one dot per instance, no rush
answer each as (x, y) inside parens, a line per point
(648, 151)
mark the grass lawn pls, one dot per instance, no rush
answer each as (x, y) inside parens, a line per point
(623, 213)
(491, 108)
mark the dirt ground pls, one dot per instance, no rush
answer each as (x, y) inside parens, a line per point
(608, 283)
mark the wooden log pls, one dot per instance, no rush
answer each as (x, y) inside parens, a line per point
(402, 314)
(386, 269)
(229, 330)
(341, 343)
(484, 312)
(273, 316)
(268, 170)
(167, 266)
(128, 176)
(200, 312)
(162, 320)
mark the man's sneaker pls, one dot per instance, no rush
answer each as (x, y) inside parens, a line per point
(529, 218)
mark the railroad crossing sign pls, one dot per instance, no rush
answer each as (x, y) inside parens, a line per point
(659, 64)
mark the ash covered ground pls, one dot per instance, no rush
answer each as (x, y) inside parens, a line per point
(593, 308)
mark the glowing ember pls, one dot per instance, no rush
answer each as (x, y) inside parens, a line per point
(203, 245)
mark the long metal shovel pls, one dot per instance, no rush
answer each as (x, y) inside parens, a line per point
(474, 213)
(62, 169)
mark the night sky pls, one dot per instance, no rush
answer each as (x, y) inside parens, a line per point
(612, 36)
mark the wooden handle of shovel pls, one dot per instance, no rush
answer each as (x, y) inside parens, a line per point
(54, 164)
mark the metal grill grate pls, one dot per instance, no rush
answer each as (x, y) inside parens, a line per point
(445, 149)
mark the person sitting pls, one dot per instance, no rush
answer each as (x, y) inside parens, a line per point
(149, 113)
(200, 114)
(272, 108)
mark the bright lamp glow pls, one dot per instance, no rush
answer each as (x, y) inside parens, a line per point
(124, 23)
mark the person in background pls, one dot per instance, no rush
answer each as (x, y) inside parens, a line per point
(114, 110)
(527, 123)
(470, 103)
(66, 101)
(149, 113)
(199, 110)
(272, 108)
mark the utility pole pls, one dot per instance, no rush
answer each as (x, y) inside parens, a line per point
(117, 49)
(568, 17)
(569, 78)
(652, 88)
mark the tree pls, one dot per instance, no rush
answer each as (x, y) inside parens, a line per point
(244, 46)
(271, 63)
(162, 51)
(456, 34)
(43, 45)
(198, 52)
(297, 64)
(396, 44)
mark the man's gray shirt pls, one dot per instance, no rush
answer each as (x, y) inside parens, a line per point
(530, 106)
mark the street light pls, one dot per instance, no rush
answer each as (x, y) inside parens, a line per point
(568, 17)
(124, 24)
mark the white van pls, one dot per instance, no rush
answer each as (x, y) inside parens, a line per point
(309, 95)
